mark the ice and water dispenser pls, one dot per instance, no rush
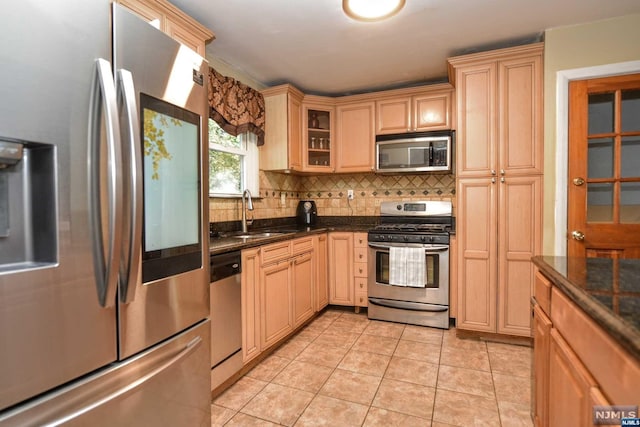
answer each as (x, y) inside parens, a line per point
(27, 205)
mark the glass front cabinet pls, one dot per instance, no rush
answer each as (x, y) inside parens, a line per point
(318, 138)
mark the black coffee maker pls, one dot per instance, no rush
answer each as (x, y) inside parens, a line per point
(307, 213)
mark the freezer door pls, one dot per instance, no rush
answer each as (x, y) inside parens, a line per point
(52, 325)
(167, 385)
(164, 285)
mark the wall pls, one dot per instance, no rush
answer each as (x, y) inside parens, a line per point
(603, 42)
(330, 194)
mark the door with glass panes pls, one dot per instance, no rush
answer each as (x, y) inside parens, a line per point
(604, 167)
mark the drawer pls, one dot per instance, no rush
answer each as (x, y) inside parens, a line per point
(359, 240)
(360, 269)
(542, 292)
(361, 299)
(361, 285)
(360, 254)
(302, 244)
(275, 252)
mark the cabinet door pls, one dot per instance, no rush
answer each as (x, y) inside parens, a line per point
(341, 282)
(318, 141)
(275, 303)
(477, 257)
(431, 112)
(393, 115)
(294, 131)
(322, 285)
(519, 235)
(355, 134)
(249, 282)
(476, 130)
(569, 386)
(303, 288)
(520, 140)
(541, 331)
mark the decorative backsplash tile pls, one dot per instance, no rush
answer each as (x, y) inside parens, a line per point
(330, 194)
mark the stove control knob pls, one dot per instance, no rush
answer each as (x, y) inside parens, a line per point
(422, 238)
(406, 239)
(431, 238)
(399, 207)
(381, 238)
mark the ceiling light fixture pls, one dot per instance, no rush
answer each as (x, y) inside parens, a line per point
(371, 10)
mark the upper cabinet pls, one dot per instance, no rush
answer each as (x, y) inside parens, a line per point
(499, 111)
(283, 126)
(318, 141)
(423, 111)
(172, 21)
(355, 136)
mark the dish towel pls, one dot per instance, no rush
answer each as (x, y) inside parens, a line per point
(407, 267)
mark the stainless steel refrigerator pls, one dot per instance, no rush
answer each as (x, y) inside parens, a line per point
(104, 299)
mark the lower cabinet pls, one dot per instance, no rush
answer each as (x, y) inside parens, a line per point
(303, 288)
(341, 279)
(275, 303)
(322, 285)
(250, 298)
(541, 332)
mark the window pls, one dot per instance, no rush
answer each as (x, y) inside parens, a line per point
(233, 162)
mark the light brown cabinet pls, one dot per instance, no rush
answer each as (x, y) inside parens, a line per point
(276, 317)
(576, 364)
(355, 137)
(422, 112)
(303, 288)
(172, 21)
(283, 129)
(499, 166)
(250, 298)
(320, 245)
(360, 268)
(318, 145)
(341, 279)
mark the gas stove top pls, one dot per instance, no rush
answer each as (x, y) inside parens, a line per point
(423, 222)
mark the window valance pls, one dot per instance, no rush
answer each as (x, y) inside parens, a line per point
(236, 107)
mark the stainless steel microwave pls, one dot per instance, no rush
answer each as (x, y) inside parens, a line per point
(415, 152)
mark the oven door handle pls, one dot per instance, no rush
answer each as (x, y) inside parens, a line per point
(406, 305)
(434, 248)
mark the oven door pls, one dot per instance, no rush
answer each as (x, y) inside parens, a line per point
(436, 289)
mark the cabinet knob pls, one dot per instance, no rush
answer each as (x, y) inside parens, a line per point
(502, 179)
(578, 181)
(502, 172)
(493, 180)
(493, 172)
(360, 272)
(360, 256)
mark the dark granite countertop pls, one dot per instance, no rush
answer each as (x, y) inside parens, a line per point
(227, 242)
(607, 290)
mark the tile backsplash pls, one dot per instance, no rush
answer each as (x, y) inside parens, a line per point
(330, 194)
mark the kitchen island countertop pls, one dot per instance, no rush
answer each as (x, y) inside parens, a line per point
(605, 289)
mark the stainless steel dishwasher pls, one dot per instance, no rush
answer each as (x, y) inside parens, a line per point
(226, 313)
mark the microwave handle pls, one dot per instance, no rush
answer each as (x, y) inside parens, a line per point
(434, 248)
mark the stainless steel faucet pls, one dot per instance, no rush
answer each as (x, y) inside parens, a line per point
(246, 204)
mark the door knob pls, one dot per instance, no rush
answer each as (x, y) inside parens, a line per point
(578, 181)
(577, 235)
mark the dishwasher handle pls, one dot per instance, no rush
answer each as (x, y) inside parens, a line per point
(225, 265)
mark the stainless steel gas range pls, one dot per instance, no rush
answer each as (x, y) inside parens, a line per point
(409, 263)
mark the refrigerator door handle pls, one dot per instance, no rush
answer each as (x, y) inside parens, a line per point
(131, 261)
(186, 352)
(103, 102)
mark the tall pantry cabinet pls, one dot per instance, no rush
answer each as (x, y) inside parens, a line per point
(499, 185)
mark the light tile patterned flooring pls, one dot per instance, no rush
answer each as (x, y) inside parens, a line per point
(346, 370)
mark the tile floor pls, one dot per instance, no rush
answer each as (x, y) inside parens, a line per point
(346, 370)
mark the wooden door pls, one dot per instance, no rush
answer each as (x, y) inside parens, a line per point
(604, 167)
(393, 115)
(322, 284)
(356, 139)
(276, 319)
(477, 254)
(520, 116)
(569, 386)
(303, 288)
(541, 331)
(341, 279)
(519, 239)
(476, 133)
(249, 285)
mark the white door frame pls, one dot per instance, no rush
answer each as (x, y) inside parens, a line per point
(563, 78)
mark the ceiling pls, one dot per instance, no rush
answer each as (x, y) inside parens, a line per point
(316, 47)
